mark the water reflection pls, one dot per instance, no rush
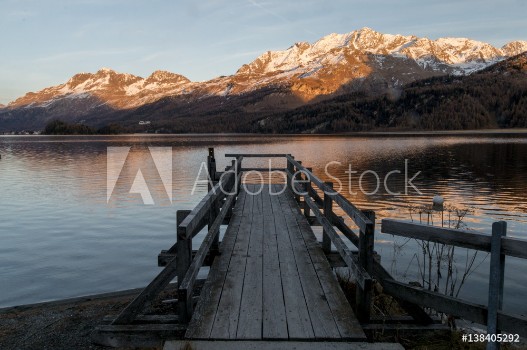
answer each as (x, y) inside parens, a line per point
(61, 238)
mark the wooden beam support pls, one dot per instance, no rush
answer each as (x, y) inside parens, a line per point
(328, 213)
(469, 311)
(460, 238)
(164, 257)
(255, 155)
(263, 169)
(362, 277)
(496, 277)
(351, 210)
(366, 242)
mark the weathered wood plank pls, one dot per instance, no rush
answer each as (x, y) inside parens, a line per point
(322, 320)
(297, 315)
(202, 321)
(255, 155)
(346, 231)
(274, 313)
(512, 323)
(365, 247)
(263, 169)
(478, 313)
(135, 336)
(186, 286)
(311, 191)
(345, 319)
(514, 247)
(413, 310)
(496, 278)
(276, 345)
(251, 308)
(270, 263)
(151, 291)
(469, 311)
(459, 238)
(164, 257)
(141, 328)
(328, 213)
(227, 315)
(152, 319)
(180, 216)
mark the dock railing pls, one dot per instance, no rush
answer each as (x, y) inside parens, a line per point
(499, 246)
(179, 260)
(302, 182)
(364, 264)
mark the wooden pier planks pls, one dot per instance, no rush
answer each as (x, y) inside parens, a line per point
(271, 280)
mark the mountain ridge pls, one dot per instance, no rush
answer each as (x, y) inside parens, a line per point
(361, 61)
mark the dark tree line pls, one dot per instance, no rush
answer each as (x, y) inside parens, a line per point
(59, 127)
(494, 98)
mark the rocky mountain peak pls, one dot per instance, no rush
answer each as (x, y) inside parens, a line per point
(514, 48)
(362, 60)
(166, 77)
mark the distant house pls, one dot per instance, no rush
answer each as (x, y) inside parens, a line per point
(144, 122)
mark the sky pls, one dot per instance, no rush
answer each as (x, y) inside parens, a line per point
(44, 43)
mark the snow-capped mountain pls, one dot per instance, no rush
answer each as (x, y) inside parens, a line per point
(365, 52)
(363, 60)
(118, 90)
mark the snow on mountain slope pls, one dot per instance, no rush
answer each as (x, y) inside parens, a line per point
(118, 90)
(514, 48)
(461, 55)
(362, 60)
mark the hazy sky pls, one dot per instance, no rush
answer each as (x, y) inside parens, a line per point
(45, 42)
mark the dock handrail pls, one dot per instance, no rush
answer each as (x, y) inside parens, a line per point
(499, 246)
(360, 219)
(186, 286)
(361, 266)
(460, 238)
(179, 265)
(197, 218)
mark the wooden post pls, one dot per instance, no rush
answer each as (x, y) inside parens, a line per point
(211, 168)
(366, 243)
(238, 168)
(496, 277)
(328, 213)
(211, 165)
(183, 247)
(232, 188)
(308, 190)
(297, 177)
(290, 172)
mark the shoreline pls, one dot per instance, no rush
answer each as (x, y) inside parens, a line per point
(72, 300)
(61, 324)
(416, 133)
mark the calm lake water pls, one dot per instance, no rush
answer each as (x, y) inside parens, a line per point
(59, 237)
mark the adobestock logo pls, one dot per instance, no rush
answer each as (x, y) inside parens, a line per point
(127, 173)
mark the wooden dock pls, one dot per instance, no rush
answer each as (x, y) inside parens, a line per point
(272, 280)
(271, 283)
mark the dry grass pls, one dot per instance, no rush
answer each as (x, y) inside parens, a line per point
(384, 306)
